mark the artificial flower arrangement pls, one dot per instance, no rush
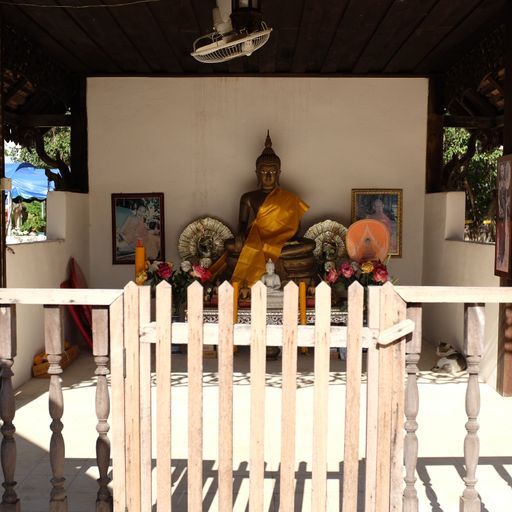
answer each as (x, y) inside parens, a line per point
(368, 273)
(179, 279)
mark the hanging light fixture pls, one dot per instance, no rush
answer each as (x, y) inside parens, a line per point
(238, 30)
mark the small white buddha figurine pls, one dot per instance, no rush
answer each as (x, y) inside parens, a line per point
(273, 283)
(270, 279)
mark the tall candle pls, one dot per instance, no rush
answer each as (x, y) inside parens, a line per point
(302, 302)
(235, 301)
(140, 257)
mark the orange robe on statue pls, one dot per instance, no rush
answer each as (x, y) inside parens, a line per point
(276, 222)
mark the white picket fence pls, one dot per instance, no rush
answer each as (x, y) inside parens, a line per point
(123, 335)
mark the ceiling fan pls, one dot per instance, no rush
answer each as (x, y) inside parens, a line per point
(238, 30)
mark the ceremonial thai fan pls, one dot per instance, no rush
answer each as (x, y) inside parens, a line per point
(328, 233)
(203, 238)
(368, 240)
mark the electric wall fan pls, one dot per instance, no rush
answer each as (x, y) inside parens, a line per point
(238, 30)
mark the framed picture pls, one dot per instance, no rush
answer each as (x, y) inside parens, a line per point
(137, 216)
(503, 217)
(384, 205)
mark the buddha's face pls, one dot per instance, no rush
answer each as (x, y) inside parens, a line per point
(268, 175)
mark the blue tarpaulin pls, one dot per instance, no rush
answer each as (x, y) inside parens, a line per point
(28, 182)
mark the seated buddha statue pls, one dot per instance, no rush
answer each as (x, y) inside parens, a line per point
(272, 233)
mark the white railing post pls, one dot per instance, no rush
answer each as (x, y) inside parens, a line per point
(54, 346)
(321, 397)
(132, 397)
(473, 347)
(225, 355)
(289, 398)
(117, 369)
(100, 325)
(163, 396)
(145, 402)
(258, 364)
(10, 501)
(195, 396)
(372, 398)
(353, 397)
(412, 356)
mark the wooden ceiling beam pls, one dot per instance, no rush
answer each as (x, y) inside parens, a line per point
(357, 25)
(15, 89)
(441, 21)
(490, 78)
(473, 122)
(312, 14)
(38, 120)
(401, 21)
(479, 104)
(27, 24)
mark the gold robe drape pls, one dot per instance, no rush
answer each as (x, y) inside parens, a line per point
(276, 222)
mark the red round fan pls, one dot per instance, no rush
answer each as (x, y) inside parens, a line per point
(368, 240)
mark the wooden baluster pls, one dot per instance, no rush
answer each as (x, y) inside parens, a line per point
(163, 396)
(10, 501)
(132, 397)
(289, 398)
(195, 396)
(372, 399)
(474, 320)
(398, 414)
(225, 355)
(385, 405)
(117, 370)
(145, 403)
(321, 397)
(100, 325)
(54, 346)
(412, 356)
(353, 396)
(258, 366)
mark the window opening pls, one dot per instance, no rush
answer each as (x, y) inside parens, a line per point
(470, 165)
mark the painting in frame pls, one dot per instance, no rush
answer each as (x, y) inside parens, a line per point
(384, 205)
(502, 263)
(137, 216)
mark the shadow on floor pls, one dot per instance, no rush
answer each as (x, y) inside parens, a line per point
(303, 480)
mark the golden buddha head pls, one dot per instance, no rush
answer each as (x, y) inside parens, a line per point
(268, 166)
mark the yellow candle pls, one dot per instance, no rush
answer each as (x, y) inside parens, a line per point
(140, 257)
(235, 301)
(302, 302)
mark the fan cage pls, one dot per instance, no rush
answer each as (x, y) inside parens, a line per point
(221, 51)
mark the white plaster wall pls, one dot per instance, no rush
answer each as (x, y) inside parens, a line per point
(197, 139)
(448, 261)
(44, 265)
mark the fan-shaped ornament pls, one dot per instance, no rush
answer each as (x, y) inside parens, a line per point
(203, 240)
(368, 240)
(329, 237)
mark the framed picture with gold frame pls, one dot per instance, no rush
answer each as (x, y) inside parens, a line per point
(503, 246)
(384, 205)
(137, 217)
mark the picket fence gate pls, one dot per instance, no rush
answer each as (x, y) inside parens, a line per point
(384, 338)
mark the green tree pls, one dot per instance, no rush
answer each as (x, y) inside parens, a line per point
(35, 219)
(478, 179)
(56, 140)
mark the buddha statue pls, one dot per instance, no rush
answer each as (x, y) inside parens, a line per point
(270, 279)
(272, 234)
(273, 283)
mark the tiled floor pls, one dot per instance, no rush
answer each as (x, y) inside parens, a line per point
(441, 436)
